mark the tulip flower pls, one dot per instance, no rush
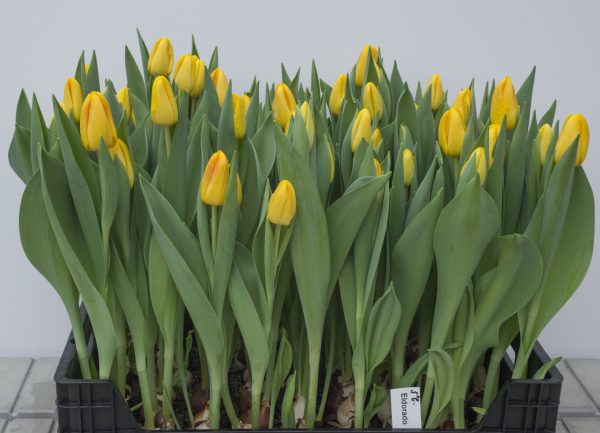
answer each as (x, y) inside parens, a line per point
(575, 126)
(504, 104)
(451, 132)
(462, 103)
(361, 130)
(493, 132)
(282, 204)
(221, 82)
(240, 109)
(96, 122)
(121, 151)
(437, 91)
(125, 102)
(338, 92)
(361, 63)
(376, 139)
(283, 105)
(163, 108)
(544, 137)
(185, 74)
(73, 98)
(160, 61)
(309, 121)
(371, 100)
(478, 156)
(408, 163)
(214, 180)
(199, 79)
(377, 167)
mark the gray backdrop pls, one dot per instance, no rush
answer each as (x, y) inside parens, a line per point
(40, 43)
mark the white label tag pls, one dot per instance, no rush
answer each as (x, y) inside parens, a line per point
(406, 408)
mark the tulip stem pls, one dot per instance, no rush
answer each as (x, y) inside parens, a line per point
(168, 139)
(214, 228)
(276, 240)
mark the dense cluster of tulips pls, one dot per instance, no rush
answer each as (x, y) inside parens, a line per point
(326, 242)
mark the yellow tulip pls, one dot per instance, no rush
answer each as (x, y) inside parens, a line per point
(462, 103)
(361, 63)
(185, 73)
(239, 189)
(283, 105)
(408, 164)
(160, 61)
(544, 137)
(282, 204)
(199, 79)
(451, 132)
(96, 122)
(163, 108)
(361, 130)
(377, 167)
(437, 91)
(575, 125)
(309, 121)
(221, 83)
(338, 92)
(73, 98)
(504, 104)
(493, 132)
(214, 180)
(240, 109)
(371, 100)
(376, 139)
(125, 102)
(121, 151)
(478, 156)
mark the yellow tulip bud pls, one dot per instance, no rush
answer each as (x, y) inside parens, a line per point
(73, 98)
(462, 103)
(377, 167)
(408, 165)
(96, 122)
(240, 109)
(338, 92)
(185, 73)
(87, 68)
(504, 104)
(361, 130)
(283, 105)
(544, 137)
(376, 139)
(309, 121)
(451, 132)
(575, 125)
(371, 100)
(199, 79)
(478, 156)
(239, 189)
(160, 61)
(493, 132)
(361, 63)
(282, 204)
(221, 82)
(163, 108)
(437, 91)
(215, 179)
(125, 102)
(121, 151)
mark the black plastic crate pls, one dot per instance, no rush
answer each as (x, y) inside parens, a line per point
(95, 406)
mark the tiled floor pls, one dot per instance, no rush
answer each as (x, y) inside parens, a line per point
(27, 396)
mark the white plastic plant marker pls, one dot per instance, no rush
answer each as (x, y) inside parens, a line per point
(406, 408)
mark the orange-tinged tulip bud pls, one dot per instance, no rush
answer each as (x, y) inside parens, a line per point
(160, 61)
(96, 122)
(478, 156)
(338, 92)
(73, 98)
(462, 103)
(240, 110)
(575, 126)
(282, 204)
(361, 130)
(377, 167)
(185, 73)
(221, 82)
(309, 121)
(493, 132)
(451, 132)
(376, 139)
(125, 102)
(504, 104)
(361, 63)
(408, 165)
(199, 79)
(163, 109)
(437, 91)
(544, 137)
(283, 105)
(371, 100)
(215, 179)
(121, 151)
